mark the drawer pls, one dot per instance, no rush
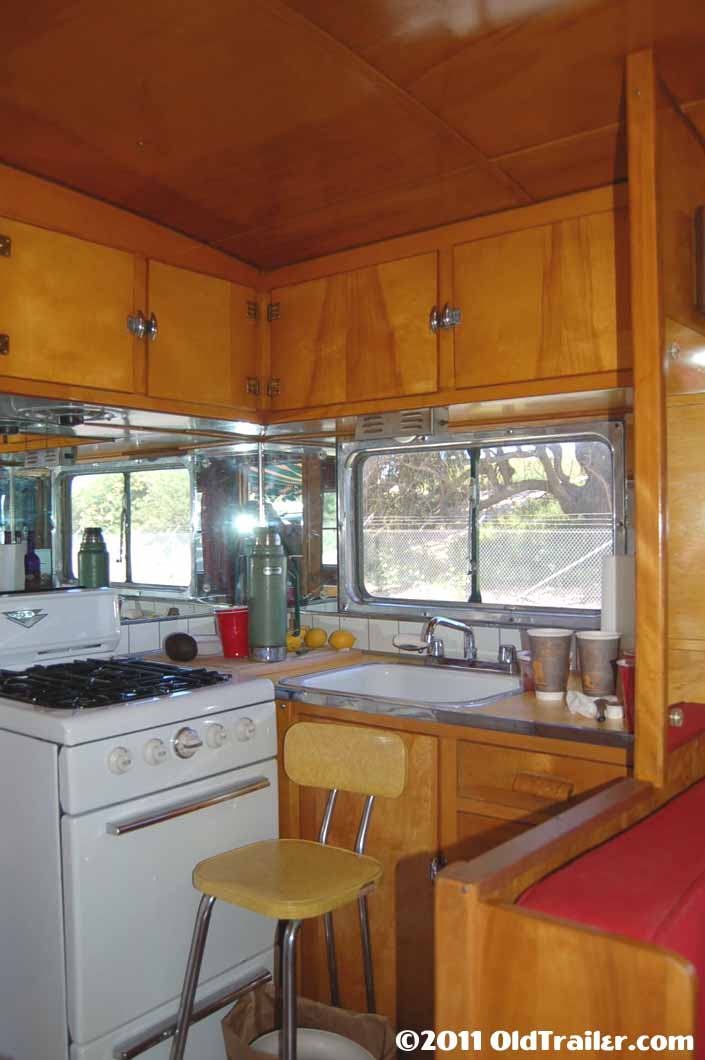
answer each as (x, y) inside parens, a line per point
(527, 779)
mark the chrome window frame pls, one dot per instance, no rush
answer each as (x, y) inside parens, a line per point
(61, 536)
(351, 458)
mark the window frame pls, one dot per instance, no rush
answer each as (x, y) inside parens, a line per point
(63, 561)
(351, 459)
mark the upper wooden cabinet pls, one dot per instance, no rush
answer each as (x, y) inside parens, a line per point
(205, 348)
(543, 302)
(356, 336)
(64, 304)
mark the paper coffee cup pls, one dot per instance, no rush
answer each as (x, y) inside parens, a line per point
(598, 651)
(550, 652)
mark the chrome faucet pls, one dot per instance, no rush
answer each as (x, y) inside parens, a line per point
(428, 631)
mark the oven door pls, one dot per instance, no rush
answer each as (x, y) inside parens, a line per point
(130, 904)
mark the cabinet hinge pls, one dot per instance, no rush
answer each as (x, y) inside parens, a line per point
(5, 247)
(252, 312)
(252, 385)
(273, 311)
(274, 387)
(4, 345)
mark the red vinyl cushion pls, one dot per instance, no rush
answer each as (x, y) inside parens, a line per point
(647, 883)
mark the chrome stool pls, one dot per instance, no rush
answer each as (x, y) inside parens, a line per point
(293, 880)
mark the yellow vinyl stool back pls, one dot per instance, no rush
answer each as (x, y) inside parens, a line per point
(346, 758)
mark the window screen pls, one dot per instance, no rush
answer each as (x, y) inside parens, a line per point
(522, 525)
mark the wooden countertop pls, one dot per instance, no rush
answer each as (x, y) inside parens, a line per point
(310, 662)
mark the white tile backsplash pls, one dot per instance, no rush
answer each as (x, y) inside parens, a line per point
(144, 636)
(508, 635)
(328, 622)
(360, 628)
(202, 627)
(487, 641)
(382, 634)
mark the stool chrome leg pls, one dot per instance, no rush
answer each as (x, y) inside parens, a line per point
(367, 953)
(288, 1032)
(332, 960)
(193, 969)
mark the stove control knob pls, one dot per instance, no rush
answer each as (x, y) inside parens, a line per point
(216, 735)
(186, 742)
(245, 729)
(119, 760)
(155, 752)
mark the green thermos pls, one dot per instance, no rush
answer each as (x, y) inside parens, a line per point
(266, 596)
(93, 560)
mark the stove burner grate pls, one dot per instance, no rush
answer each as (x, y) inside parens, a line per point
(87, 683)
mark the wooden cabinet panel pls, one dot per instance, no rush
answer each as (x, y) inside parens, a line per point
(542, 302)
(485, 772)
(404, 837)
(64, 303)
(206, 341)
(686, 522)
(356, 336)
(478, 834)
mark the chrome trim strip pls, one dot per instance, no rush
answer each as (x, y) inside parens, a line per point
(161, 1032)
(134, 824)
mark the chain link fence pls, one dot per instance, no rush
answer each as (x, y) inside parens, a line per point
(554, 561)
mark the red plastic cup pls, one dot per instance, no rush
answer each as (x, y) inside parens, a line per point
(233, 628)
(626, 669)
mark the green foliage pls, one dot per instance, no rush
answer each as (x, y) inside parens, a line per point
(160, 499)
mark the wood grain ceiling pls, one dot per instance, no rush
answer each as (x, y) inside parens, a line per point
(279, 130)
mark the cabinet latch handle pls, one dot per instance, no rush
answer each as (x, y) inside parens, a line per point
(139, 326)
(436, 865)
(274, 387)
(449, 318)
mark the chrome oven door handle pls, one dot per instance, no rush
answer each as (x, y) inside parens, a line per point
(134, 824)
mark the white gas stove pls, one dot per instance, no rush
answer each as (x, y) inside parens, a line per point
(118, 776)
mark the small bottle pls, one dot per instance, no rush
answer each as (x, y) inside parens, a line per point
(32, 566)
(8, 537)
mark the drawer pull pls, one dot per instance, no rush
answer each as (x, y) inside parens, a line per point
(543, 786)
(134, 824)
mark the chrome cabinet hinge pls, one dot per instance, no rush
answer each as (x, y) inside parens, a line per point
(437, 865)
(441, 321)
(273, 311)
(5, 247)
(4, 345)
(274, 387)
(252, 311)
(252, 385)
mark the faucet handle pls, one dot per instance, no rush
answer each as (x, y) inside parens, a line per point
(508, 657)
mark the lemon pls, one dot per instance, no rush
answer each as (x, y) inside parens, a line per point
(316, 638)
(293, 643)
(342, 640)
(303, 630)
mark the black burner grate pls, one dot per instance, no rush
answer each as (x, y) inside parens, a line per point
(88, 683)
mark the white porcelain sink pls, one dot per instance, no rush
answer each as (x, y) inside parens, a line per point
(412, 684)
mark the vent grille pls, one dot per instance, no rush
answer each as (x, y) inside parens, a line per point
(411, 422)
(49, 457)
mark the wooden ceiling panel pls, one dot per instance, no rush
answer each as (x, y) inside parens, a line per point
(468, 193)
(532, 82)
(282, 129)
(590, 160)
(242, 114)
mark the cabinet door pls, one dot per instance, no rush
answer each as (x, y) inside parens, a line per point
(542, 302)
(64, 305)
(205, 348)
(404, 837)
(356, 336)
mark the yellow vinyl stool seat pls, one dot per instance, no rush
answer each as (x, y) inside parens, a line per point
(287, 879)
(292, 880)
